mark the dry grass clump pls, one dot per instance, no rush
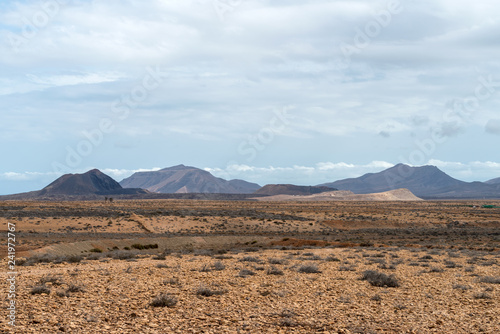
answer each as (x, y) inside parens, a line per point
(75, 288)
(39, 289)
(172, 281)
(245, 273)
(123, 255)
(218, 266)
(379, 279)
(310, 268)
(277, 261)
(250, 259)
(490, 279)
(205, 291)
(461, 287)
(274, 271)
(164, 300)
(54, 280)
(482, 295)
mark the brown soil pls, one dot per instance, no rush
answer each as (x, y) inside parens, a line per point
(445, 256)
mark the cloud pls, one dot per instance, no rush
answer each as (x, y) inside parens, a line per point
(322, 172)
(493, 126)
(226, 75)
(75, 79)
(26, 176)
(120, 174)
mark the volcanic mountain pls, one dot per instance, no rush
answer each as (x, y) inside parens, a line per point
(427, 182)
(75, 186)
(494, 181)
(290, 189)
(186, 179)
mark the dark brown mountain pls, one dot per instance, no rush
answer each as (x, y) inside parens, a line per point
(89, 185)
(290, 189)
(186, 179)
(91, 182)
(427, 182)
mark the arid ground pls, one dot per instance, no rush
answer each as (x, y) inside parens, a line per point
(188, 266)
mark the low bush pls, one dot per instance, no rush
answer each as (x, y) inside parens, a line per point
(207, 292)
(274, 271)
(490, 279)
(245, 273)
(379, 279)
(39, 289)
(164, 300)
(75, 288)
(250, 259)
(309, 269)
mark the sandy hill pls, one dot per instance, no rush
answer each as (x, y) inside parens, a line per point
(427, 182)
(290, 189)
(345, 195)
(186, 179)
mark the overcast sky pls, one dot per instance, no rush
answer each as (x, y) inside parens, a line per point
(272, 91)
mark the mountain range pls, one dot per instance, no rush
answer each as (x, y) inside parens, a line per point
(186, 179)
(427, 182)
(291, 189)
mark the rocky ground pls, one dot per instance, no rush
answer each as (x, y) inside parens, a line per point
(317, 290)
(251, 267)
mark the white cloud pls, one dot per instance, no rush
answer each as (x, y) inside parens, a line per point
(493, 126)
(75, 79)
(120, 174)
(26, 176)
(226, 76)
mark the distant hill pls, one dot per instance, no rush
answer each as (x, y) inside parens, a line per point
(91, 182)
(186, 179)
(493, 181)
(345, 195)
(427, 182)
(89, 185)
(290, 189)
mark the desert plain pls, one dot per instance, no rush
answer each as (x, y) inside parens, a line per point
(194, 266)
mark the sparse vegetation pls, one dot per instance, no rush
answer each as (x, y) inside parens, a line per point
(40, 289)
(208, 292)
(250, 259)
(274, 271)
(218, 266)
(245, 273)
(309, 269)
(75, 288)
(379, 279)
(141, 247)
(490, 280)
(164, 300)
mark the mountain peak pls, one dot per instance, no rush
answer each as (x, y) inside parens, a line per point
(186, 179)
(91, 182)
(424, 181)
(178, 167)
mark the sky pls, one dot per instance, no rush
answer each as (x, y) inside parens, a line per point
(269, 91)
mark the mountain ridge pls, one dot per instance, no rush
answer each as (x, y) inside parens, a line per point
(186, 179)
(290, 189)
(427, 182)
